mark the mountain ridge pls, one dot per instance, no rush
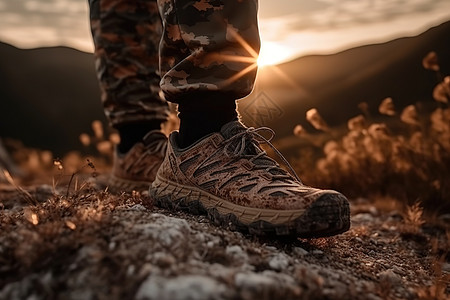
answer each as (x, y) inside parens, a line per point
(336, 83)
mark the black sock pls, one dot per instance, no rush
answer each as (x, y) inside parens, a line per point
(200, 118)
(132, 133)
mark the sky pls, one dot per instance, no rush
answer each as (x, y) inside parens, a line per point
(288, 28)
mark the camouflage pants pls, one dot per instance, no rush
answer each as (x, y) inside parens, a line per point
(184, 48)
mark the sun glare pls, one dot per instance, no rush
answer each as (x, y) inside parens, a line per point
(272, 53)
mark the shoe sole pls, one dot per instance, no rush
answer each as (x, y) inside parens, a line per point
(117, 184)
(328, 215)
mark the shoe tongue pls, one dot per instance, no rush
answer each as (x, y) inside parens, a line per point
(251, 146)
(231, 129)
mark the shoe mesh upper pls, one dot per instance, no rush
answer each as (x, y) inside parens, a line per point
(232, 166)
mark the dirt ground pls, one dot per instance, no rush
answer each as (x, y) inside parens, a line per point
(86, 243)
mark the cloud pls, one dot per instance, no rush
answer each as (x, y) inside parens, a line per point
(272, 9)
(35, 23)
(54, 6)
(345, 13)
(335, 15)
(329, 24)
(353, 23)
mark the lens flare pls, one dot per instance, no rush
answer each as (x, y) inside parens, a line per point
(273, 53)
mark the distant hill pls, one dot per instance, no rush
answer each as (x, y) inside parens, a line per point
(50, 95)
(335, 84)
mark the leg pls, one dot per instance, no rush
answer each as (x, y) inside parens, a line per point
(126, 35)
(208, 60)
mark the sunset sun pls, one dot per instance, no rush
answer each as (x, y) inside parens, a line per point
(273, 53)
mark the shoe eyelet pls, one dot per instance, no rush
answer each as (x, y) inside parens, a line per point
(248, 165)
(267, 176)
(216, 140)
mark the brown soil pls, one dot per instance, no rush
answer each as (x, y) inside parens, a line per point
(90, 244)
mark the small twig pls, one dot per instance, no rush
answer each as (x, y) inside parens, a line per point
(68, 185)
(26, 194)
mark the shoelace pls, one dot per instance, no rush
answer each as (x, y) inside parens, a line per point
(253, 135)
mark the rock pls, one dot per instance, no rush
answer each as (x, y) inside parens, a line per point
(163, 259)
(237, 253)
(279, 261)
(445, 218)
(170, 232)
(446, 267)
(17, 290)
(359, 240)
(398, 270)
(271, 248)
(363, 217)
(390, 276)
(81, 294)
(252, 280)
(112, 246)
(90, 254)
(266, 285)
(184, 287)
(371, 296)
(300, 251)
(131, 270)
(317, 252)
(254, 285)
(138, 207)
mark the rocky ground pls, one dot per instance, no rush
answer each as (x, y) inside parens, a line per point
(86, 243)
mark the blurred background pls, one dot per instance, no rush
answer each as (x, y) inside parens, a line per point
(340, 58)
(319, 53)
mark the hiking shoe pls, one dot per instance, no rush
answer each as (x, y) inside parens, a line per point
(227, 176)
(136, 169)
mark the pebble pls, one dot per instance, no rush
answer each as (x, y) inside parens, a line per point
(168, 231)
(389, 276)
(163, 259)
(363, 217)
(237, 253)
(271, 248)
(398, 270)
(252, 280)
(184, 287)
(317, 252)
(131, 270)
(111, 246)
(279, 262)
(446, 267)
(138, 207)
(300, 251)
(445, 218)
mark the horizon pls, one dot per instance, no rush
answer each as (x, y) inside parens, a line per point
(316, 27)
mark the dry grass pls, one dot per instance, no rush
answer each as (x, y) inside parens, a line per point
(44, 227)
(406, 156)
